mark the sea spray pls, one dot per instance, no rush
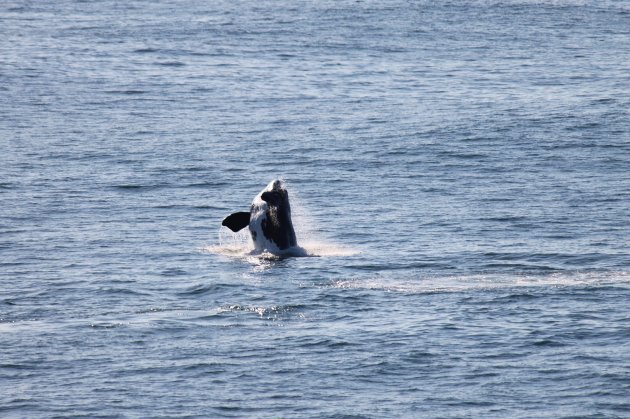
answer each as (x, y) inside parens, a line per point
(311, 240)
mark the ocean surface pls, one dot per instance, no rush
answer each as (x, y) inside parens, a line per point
(459, 173)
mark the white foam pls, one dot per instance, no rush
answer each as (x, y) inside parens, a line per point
(239, 245)
(422, 285)
(326, 249)
(231, 244)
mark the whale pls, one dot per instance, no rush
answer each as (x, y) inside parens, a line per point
(269, 221)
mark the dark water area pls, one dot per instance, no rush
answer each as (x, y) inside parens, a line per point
(458, 170)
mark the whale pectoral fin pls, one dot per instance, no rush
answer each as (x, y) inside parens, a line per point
(236, 221)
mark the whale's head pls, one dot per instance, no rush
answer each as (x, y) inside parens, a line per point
(276, 195)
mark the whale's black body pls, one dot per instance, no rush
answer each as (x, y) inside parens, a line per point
(269, 220)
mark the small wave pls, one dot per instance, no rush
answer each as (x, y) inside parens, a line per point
(126, 92)
(548, 343)
(173, 272)
(170, 63)
(145, 50)
(107, 325)
(138, 187)
(202, 289)
(270, 313)
(111, 290)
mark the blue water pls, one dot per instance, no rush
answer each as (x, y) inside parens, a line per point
(460, 169)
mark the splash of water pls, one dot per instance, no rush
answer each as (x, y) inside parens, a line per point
(310, 240)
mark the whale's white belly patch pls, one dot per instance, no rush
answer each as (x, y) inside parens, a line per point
(257, 218)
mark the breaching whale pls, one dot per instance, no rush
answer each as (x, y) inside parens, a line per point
(269, 221)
